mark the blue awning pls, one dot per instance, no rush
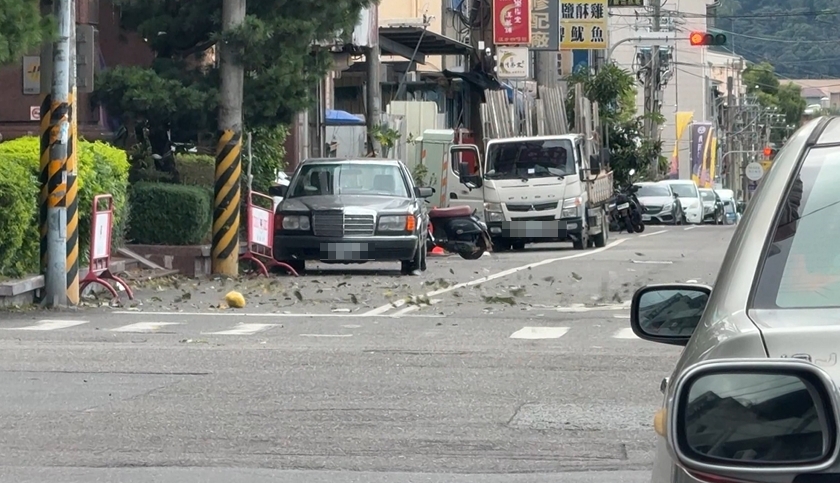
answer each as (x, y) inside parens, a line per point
(342, 118)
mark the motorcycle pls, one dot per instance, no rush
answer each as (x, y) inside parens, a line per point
(626, 210)
(458, 229)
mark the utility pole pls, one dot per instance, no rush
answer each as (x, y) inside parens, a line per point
(46, 75)
(225, 247)
(374, 93)
(72, 250)
(654, 80)
(56, 172)
(730, 130)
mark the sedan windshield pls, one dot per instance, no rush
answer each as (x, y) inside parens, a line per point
(530, 159)
(684, 190)
(652, 190)
(707, 195)
(369, 179)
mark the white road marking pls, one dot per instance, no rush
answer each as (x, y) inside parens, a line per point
(654, 233)
(352, 326)
(245, 329)
(50, 325)
(654, 262)
(690, 228)
(144, 327)
(622, 316)
(578, 308)
(261, 315)
(385, 308)
(326, 335)
(532, 333)
(625, 334)
(413, 308)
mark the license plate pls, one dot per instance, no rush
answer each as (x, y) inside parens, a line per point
(532, 229)
(645, 217)
(623, 206)
(345, 251)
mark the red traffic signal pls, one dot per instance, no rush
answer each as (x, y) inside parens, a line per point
(705, 38)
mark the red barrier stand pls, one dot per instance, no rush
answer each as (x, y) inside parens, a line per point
(260, 249)
(101, 225)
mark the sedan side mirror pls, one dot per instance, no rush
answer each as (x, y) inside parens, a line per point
(668, 313)
(423, 192)
(278, 190)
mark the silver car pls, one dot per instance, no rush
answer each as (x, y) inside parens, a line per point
(754, 394)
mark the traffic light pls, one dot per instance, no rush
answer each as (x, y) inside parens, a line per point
(769, 153)
(705, 38)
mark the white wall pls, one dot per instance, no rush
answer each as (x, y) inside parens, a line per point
(686, 89)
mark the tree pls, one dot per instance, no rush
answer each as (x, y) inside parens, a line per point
(614, 89)
(785, 99)
(179, 91)
(21, 28)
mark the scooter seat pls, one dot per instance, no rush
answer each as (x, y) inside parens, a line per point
(452, 212)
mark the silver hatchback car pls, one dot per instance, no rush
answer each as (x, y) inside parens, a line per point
(754, 397)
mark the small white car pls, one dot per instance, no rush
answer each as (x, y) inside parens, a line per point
(689, 197)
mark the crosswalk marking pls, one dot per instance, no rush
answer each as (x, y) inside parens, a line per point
(51, 325)
(625, 334)
(245, 329)
(143, 327)
(540, 333)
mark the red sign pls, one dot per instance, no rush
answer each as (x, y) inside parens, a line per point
(511, 22)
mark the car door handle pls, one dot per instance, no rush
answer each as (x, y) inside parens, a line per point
(663, 386)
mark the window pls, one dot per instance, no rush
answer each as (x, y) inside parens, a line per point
(684, 190)
(369, 179)
(708, 195)
(801, 268)
(653, 190)
(530, 159)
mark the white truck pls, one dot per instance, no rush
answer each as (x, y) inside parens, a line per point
(534, 190)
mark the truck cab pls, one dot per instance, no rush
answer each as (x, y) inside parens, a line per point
(539, 189)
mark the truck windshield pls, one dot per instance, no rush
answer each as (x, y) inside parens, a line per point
(530, 159)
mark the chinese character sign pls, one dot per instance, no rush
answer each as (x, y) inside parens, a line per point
(626, 3)
(511, 22)
(583, 24)
(545, 25)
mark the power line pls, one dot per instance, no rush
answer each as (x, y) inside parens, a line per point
(735, 17)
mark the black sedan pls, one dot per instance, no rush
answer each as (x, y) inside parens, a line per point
(352, 211)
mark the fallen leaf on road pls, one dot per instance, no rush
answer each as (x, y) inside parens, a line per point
(640, 254)
(298, 295)
(576, 276)
(452, 271)
(353, 299)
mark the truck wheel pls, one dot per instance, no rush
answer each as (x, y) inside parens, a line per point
(601, 238)
(500, 245)
(518, 245)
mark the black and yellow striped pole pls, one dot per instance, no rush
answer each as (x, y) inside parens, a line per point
(55, 278)
(46, 132)
(72, 201)
(225, 249)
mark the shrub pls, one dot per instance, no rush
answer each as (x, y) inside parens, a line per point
(196, 169)
(169, 214)
(269, 155)
(103, 169)
(18, 197)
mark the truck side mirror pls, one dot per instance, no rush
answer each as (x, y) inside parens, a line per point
(595, 164)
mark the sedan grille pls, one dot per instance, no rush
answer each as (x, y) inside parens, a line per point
(338, 224)
(653, 209)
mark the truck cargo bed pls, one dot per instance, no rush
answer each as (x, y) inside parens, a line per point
(600, 190)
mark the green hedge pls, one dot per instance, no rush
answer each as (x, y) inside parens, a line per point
(196, 169)
(103, 169)
(169, 214)
(19, 199)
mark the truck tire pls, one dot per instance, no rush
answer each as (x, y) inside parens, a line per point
(601, 238)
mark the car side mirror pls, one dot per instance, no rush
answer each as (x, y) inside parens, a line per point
(278, 190)
(470, 181)
(733, 420)
(423, 192)
(668, 313)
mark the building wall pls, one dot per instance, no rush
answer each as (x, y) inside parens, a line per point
(686, 89)
(115, 46)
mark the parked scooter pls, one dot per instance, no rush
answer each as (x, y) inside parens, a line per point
(626, 210)
(458, 229)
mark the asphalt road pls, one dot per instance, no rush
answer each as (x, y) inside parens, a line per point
(518, 367)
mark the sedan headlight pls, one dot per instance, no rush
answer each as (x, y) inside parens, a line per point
(493, 212)
(397, 223)
(572, 208)
(667, 207)
(296, 222)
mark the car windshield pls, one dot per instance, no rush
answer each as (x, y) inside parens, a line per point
(707, 195)
(684, 190)
(802, 263)
(530, 159)
(652, 190)
(369, 179)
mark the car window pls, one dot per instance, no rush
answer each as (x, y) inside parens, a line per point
(653, 190)
(707, 195)
(801, 268)
(684, 190)
(371, 179)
